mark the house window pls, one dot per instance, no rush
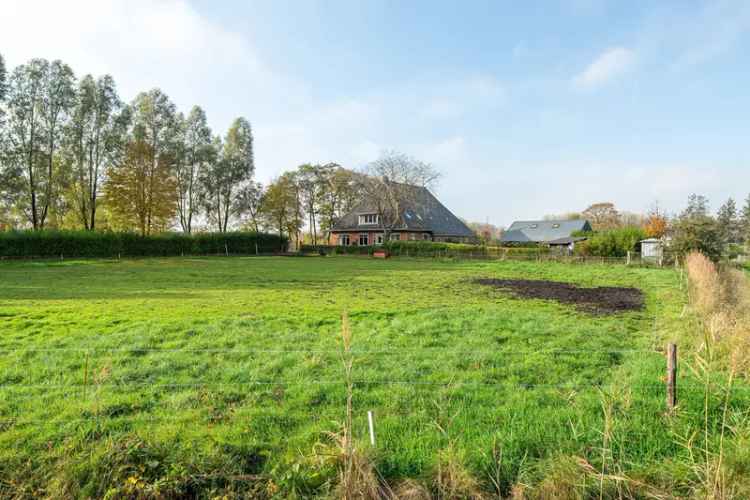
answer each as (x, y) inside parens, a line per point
(368, 219)
(395, 236)
(363, 239)
(344, 240)
(412, 236)
(379, 239)
(426, 236)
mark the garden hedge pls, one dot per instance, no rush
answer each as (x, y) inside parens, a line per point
(426, 249)
(36, 244)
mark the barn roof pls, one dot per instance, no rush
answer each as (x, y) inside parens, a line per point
(537, 231)
(420, 211)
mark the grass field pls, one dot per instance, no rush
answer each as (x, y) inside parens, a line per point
(206, 376)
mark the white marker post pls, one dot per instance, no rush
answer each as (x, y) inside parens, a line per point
(372, 428)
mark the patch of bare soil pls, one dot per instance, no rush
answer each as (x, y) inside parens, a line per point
(597, 300)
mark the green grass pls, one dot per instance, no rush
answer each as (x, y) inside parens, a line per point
(187, 375)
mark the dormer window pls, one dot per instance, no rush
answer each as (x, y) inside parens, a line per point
(368, 219)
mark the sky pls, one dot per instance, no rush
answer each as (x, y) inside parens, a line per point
(526, 108)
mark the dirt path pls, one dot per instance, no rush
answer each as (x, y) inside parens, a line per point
(598, 300)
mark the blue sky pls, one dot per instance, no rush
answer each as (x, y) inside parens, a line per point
(527, 108)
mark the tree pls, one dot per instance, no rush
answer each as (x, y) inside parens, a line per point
(696, 230)
(225, 177)
(313, 181)
(745, 221)
(197, 153)
(338, 195)
(95, 138)
(24, 162)
(3, 79)
(280, 205)
(697, 206)
(154, 133)
(728, 222)
(655, 225)
(602, 216)
(389, 182)
(58, 98)
(249, 201)
(140, 194)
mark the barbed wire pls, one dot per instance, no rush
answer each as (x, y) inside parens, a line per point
(340, 381)
(85, 350)
(428, 408)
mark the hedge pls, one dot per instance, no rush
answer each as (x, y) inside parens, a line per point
(27, 244)
(612, 243)
(426, 249)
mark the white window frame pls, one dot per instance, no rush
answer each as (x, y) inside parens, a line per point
(426, 236)
(366, 237)
(379, 239)
(368, 219)
(343, 237)
(394, 236)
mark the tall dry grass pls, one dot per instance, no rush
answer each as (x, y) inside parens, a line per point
(720, 299)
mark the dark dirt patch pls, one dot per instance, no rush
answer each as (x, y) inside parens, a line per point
(597, 300)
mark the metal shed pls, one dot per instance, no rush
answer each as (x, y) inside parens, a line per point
(652, 249)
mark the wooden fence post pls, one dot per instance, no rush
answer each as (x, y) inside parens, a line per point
(628, 261)
(671, 376)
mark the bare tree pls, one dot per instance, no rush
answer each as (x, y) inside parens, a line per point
(602, 216)
(388, 184)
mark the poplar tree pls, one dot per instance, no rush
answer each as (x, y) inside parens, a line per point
(231, 171)
(95, 138)
(196, 154)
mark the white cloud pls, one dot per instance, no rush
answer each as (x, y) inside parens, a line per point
(610, 64)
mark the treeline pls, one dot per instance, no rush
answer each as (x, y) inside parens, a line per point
(73, 155)
(723, 234)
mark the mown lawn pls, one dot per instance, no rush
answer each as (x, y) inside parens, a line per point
(192, 376)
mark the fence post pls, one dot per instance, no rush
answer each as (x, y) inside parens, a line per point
(372, 427)
(628, 260)
(226, 249)
(671, 376)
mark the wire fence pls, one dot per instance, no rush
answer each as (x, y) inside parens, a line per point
(17, 387)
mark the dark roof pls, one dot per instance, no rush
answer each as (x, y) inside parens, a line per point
(543, 230)
(420, 211)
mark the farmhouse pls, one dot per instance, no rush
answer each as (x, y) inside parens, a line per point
(421, 217)
(554, 232)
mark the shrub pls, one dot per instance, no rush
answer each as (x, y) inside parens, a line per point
(427, 249)
(698, 233)
(19, 244)
(612, 243)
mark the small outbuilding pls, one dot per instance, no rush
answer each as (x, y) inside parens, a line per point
(566, 244)
(652, 249)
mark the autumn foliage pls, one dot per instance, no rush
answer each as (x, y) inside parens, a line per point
(655, 226)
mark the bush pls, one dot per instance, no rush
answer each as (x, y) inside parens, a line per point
(698, 233)
(612, 243)
(426, 249)
(19, 244)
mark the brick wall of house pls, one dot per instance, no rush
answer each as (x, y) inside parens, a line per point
(354, 237)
